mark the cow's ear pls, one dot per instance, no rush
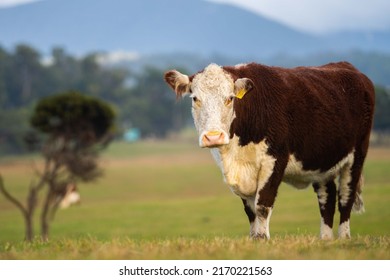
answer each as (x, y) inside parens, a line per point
(242, 86)
(179, 82)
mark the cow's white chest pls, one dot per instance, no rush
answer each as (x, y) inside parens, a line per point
(244, 168)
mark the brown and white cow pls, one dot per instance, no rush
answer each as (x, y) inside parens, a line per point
(303, 126)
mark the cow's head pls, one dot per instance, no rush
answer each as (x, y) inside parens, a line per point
(213, 92)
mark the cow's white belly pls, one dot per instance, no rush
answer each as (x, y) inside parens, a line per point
(247, 169)
(296, 176)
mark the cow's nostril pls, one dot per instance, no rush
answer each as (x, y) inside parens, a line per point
(213, 138)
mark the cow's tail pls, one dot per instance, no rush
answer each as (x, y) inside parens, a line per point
(358, 205)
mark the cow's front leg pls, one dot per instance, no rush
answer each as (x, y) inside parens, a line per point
(249, 208)
(270, 177)
(257, 224)
(263, 216)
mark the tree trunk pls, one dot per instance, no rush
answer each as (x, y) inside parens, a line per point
(45, 216)
(29, 214)
(29, 235)
(26, 212)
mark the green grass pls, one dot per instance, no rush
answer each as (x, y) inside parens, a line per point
(279, 247)
(161, 200)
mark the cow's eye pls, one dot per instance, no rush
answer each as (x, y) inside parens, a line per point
(196, 101)
(229, 100)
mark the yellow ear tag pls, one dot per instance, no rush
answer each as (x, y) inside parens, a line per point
(240, 94)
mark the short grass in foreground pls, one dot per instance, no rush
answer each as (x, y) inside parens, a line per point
(279, 247)
(161, 200)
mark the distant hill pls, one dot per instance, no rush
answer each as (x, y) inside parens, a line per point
(150, 26)
(378, 41)
(375, 65)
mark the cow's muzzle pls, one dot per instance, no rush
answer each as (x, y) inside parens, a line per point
(212, 139)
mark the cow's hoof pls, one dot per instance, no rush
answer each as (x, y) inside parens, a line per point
(260, 236)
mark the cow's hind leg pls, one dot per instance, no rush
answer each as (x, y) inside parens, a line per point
(350, 178)
(326, 194)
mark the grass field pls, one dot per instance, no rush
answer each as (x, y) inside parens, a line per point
(162, 200)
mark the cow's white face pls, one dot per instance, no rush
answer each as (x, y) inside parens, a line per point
(212, 105)
(213, 92)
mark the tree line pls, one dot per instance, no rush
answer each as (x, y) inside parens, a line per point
(141, 99)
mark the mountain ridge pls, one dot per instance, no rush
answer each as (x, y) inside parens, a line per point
(167, 26)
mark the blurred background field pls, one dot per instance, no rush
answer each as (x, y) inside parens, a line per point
(165, 190)
(165, 198)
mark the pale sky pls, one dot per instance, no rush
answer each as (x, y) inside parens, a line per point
(311, 15)
(7, 3)
(323, 15)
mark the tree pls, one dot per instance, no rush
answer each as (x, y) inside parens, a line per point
(24, 75)
(382, 114)
(4, 68)
(75, 128)
(151, 106)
